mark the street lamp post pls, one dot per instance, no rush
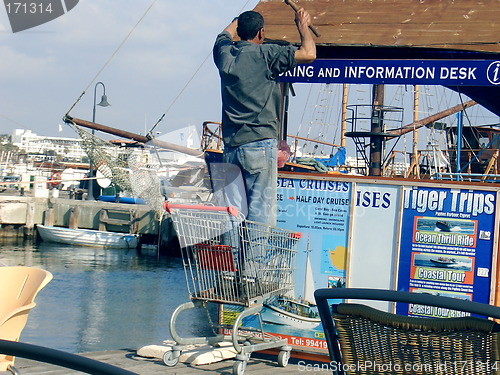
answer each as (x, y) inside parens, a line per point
(102, 103)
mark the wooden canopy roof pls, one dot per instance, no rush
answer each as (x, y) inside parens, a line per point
(469, 25)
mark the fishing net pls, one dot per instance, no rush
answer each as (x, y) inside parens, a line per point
(133, 170)
(144, 165)
(109, 160)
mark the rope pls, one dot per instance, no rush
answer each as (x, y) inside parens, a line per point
(180, 93)
(188, 82)
(111, 57)
(304, 111)
(14, 121)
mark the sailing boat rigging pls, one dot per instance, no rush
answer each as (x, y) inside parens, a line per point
(299, 313)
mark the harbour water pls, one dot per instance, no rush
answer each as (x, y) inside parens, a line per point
(102, 299)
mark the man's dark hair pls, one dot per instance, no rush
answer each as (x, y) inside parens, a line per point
(249, 24)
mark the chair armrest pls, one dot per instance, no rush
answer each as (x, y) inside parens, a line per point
(17, 311)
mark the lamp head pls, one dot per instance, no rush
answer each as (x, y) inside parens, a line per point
(104, 101)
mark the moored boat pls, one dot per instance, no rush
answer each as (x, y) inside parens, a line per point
(88, 237)
(299, 313)
(287, 311)
(443, 261)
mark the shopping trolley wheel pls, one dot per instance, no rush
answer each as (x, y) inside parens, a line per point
(239, 367)
(170, 359)
(283, 358)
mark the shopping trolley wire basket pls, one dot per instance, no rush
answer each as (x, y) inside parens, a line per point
(228, 259)
(232, 261)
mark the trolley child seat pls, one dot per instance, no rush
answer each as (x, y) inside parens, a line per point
(229, 260)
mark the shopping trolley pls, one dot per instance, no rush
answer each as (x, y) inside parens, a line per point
(232, 261)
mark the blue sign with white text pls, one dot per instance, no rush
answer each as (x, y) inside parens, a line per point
(429, 72)
(447, 241)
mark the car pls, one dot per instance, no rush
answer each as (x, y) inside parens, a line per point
(12, 178)
(10, 181)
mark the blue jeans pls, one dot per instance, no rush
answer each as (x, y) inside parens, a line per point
(258, 164)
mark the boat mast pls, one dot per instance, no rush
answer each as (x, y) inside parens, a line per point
(286, 89)
(415, 157)
(345, 93)
(308, 277)
(376, 141)
(305, 273)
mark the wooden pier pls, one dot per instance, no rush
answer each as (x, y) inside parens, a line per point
(20, 214)
(127, 359)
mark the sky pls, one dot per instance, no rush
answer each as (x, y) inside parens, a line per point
(160, 65)
(165, 65)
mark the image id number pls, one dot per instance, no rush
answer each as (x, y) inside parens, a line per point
(28, 8)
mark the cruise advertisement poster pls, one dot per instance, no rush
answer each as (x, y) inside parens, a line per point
(319, 210)
(446, 245)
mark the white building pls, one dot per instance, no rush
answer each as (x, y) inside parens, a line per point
(33, 144)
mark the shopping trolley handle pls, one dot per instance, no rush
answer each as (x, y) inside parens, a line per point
(169, 207)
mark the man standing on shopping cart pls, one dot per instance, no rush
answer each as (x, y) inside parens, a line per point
(249, 71)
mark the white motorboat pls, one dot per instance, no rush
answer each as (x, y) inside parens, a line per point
(88, 237)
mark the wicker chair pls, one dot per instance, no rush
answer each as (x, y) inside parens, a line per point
(364, 340)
